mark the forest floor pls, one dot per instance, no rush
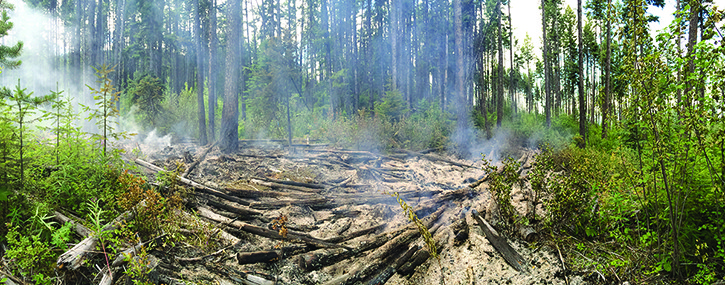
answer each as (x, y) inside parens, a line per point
(343, 197)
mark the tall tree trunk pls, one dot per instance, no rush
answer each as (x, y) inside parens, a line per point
(608, 74)
(229, 137)
(580, 81)
(213, 46)
(328, 57)
(691, 41)
(512, 88)
(200, 75)
(118, 44)
(461, 112)
(499, 96)
(547, 68)
(394, 31)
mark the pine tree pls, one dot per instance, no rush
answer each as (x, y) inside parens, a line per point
(8, 54)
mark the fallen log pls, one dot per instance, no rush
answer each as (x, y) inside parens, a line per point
(73, 258)
(355, 234)
(275, 185)
(198, 160)
(375, 261)
(509, 254)
(241, 211)
(315, 203)
(246, 193)
(416, 260)
(295, 183)
(388, 272)
(258, 256)
(324, 257)
(191, 183)
(290, 236)
(80, 229)
(528, 233)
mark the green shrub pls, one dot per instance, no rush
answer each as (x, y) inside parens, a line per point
(501, 183)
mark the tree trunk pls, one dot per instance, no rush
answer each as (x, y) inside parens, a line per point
(580, 81)
(499, 96)
(547, 69)
(461, 102)
(229, 137)
(607, 76)
(213, 46)
(199, 75)
(512, 88)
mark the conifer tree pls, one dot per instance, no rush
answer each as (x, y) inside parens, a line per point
(8, 54)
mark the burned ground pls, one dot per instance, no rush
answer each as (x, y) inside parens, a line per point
(341, 223)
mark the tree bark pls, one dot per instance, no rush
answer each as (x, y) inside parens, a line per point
(547, 68)
(499, 96)
(213, 46)
(512, 88)
(199, 75)
(607, 76)
(229, 137)
(580, 81)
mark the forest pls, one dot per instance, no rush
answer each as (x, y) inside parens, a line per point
(258, 142)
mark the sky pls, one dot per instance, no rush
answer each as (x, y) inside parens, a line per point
(526, 18)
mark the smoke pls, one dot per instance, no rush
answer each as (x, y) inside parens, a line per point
(43, 37)
(43, 69)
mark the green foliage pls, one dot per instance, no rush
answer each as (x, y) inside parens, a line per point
(571, 190)
(105, 107)
(393, 107)
(30, 253)
(147, 93)
(22, 109)
(501, 183)
(62, 236)
(8, 53)
(138, 268)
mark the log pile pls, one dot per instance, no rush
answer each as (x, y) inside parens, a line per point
(343, 222)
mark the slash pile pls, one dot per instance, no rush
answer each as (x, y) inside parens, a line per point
(318, 215)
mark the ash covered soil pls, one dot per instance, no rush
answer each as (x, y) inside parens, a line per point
(351, 195)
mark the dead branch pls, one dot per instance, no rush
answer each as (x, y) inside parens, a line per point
(501, 245)
(131, 251)
(80, 229)
(202, 258)
(198, 160)
(12, 279)
(74, 257)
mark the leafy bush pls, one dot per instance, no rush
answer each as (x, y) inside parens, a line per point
(501, 183)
